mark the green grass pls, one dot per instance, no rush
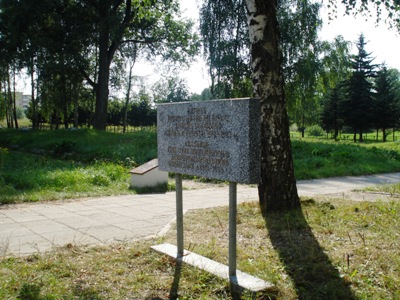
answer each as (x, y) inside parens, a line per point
(70, 164)
(391, 189)
(37, 178)
(50, 165)
(86, 145)
(321, 158)
(369, 137)
(328, 250)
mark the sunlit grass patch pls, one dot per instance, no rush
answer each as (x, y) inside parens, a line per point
(328, 250)
(71, 164)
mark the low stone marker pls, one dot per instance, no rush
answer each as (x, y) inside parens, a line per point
(148, 175)
(218, 139)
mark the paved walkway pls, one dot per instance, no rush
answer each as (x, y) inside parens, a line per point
(38, 227)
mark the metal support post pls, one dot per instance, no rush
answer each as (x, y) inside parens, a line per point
(179, 214)
(232, 228)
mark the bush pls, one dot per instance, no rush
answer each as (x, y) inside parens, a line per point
(315, 130)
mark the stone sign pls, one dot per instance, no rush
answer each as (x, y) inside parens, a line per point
(218, 139)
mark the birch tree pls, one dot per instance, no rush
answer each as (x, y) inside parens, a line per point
(277, 187)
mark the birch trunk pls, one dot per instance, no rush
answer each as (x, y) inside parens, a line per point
(277, 188)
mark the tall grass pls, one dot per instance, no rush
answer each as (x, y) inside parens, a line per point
(86, 145)
(49, 165)
(317, 158)
(31, 177)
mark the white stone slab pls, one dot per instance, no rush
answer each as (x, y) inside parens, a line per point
(148, 175)
(242, 279)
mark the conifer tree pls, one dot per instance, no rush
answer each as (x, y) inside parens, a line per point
(331, 119)
(386, 100)
(357, 108)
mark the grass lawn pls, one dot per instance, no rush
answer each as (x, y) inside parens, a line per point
(329, 250)
(51, 165)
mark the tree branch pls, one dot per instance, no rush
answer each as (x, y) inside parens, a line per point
(87, 78)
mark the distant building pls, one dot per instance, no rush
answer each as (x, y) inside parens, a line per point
(18, 99)
(21, 100)
(25, 101)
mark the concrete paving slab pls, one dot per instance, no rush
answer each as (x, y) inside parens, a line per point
(27, 245)
(65, 237)
(25, 215)
(74, 206)
(162, 220)
(45, 226)
(14, 229)
(104, 217)
(79, 222)
(109, 233)
(134, 226)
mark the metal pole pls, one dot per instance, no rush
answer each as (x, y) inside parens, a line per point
(232, 228)
(179, 214)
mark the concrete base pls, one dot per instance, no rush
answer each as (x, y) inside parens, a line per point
(242, 280)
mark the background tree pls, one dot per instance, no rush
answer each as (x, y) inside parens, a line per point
(358, 107)
(299, 22)
(152, 24)
(386, 100)
(171, 89)
(47, 47)
(301, 90)
(131, 60)
(223, 27)
(335, 71)
(336, 64)
(55, 39)
(331, 119)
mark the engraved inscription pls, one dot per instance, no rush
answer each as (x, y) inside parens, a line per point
(198, 123)
(197, 154)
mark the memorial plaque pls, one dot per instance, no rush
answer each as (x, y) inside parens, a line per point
(217, 139)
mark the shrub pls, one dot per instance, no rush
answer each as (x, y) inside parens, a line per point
(315, 130)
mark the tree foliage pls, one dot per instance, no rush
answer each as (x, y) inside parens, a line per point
(171, 90)
(331, 118)
(383, 11)
(224, 30)
(150, 24)
(357, 107)
(386, 100)
(226, 46)
(64, 42)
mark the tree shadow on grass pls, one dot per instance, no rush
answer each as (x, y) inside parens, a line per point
(310, 269)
